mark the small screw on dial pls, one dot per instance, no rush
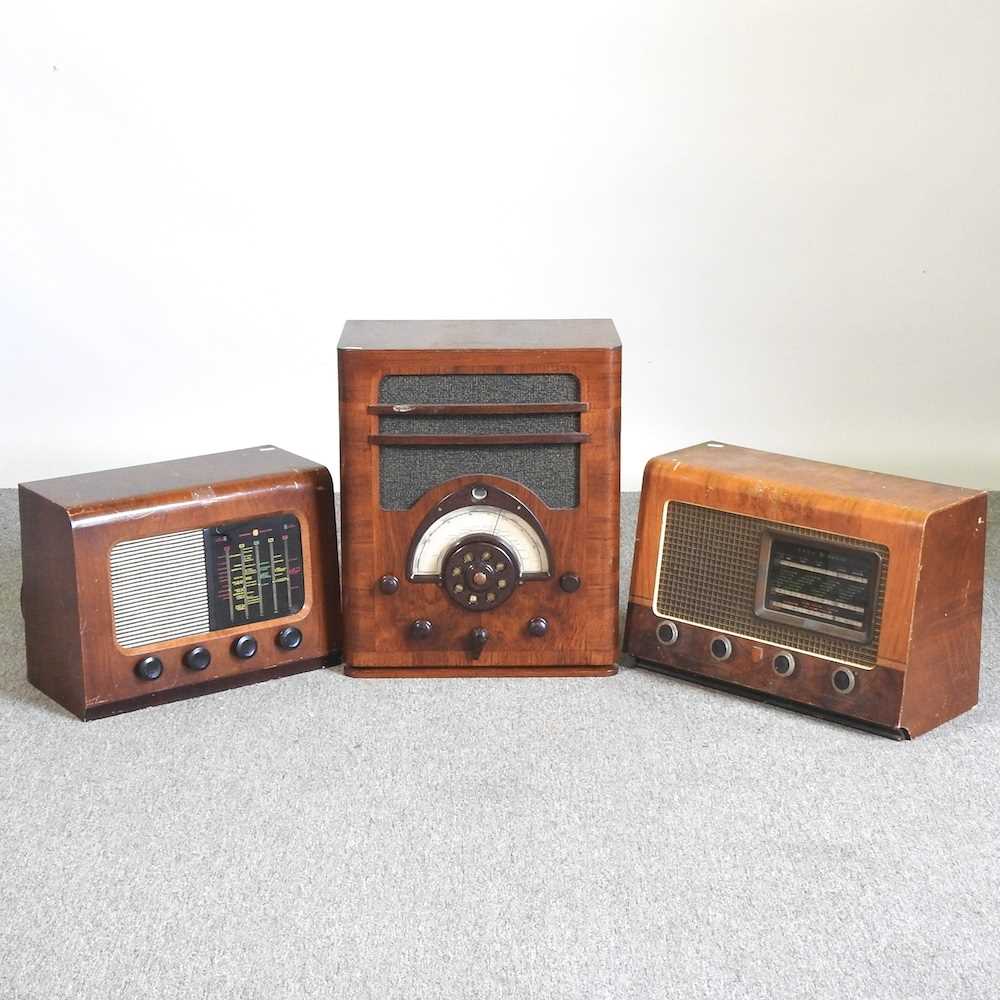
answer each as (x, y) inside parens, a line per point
(570, 582)
(388, 584)
(538, 627)
(149, 668)
(421, 628)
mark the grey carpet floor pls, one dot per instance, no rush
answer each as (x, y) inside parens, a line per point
(625, 837)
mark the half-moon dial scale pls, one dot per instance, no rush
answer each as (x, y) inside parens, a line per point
(510, 529)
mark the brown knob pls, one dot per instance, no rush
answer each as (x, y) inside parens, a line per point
(538, 627)
(388, 584)
(569, 582)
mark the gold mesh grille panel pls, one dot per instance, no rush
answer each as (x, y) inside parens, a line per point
(708, 576)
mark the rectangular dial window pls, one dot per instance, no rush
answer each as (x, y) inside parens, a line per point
(254, 570)
(818, 586)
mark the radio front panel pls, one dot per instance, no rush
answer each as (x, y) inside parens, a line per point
(808, 590)
(191, 583)
(480, 502)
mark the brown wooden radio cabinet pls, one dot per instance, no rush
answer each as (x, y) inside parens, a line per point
(849, 594)
(480, 482)
(164, 581)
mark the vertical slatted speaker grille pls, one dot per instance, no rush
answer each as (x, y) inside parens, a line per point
(550, 470)
(159, 588)
(708, 576)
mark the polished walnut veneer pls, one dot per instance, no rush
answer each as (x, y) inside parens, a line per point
(926, 667)
(69, 527)
(563, 625)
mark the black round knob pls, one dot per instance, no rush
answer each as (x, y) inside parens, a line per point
(388, 584)
(721, 648)
(843, 680)
(784, 664)
(667, 633)
(538, 627)
(289, 638)
(569, 582)
(244, 647)
(149, 668)
(421, 629)
(197, 658)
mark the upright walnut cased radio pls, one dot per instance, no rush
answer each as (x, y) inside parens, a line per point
(848, 594)
(480, 479)
(164, 581)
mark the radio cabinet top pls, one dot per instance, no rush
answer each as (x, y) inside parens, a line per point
(478, 335)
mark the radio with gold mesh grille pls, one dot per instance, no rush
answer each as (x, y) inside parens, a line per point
(847, 594)
(163, 581)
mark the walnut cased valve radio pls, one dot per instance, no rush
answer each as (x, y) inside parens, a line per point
(479, 463)
(163, 581)
(846, 594)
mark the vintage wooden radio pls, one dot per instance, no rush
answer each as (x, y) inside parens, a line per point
(479, 470)
(164, 581)
(848, 594)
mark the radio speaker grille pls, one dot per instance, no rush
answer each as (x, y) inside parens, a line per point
(159, 588)
(550, 470)
(708, 576)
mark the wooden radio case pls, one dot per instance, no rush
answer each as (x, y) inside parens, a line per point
(480, 479)
(164, 581)
(847, 594)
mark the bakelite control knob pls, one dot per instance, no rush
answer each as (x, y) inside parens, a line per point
(289, 638)
(149, 668)
(569, 582)
(388, 584)
(244, 647)
(197, 658)
(421, 628)
(538, 627)
(479, 637)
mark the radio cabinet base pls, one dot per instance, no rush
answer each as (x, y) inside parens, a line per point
(170, 695)
(423, 672)
(772, 699)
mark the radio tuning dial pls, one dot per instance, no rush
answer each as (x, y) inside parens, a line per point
(388, 584)
(569, 582)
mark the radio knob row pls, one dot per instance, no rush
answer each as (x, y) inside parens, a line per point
(423, 627)
(244, 647)
(783, 663)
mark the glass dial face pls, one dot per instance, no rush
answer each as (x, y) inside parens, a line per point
(441, 537)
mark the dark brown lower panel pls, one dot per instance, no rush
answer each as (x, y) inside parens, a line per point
(772, 699)
(208, 687)
(607, 671)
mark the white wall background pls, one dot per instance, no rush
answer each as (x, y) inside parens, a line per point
(789, 208)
